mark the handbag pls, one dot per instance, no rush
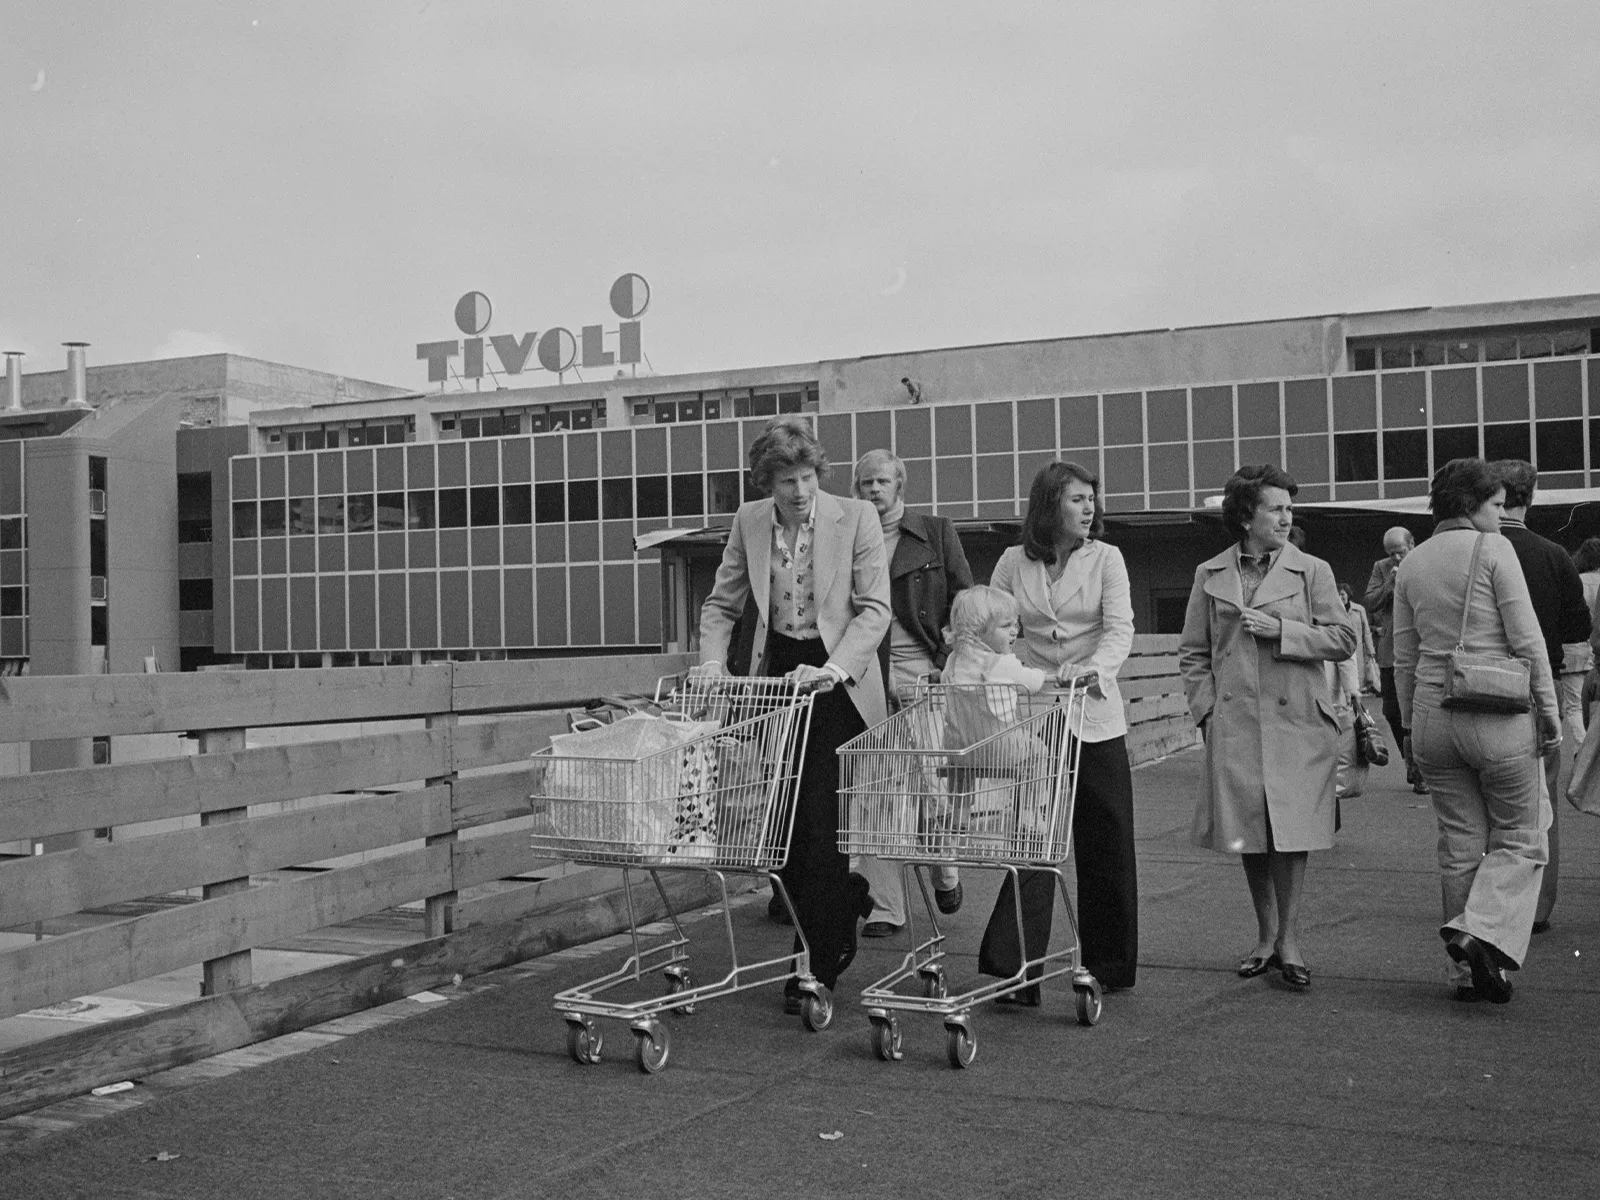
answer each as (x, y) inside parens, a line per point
(1491, 683)
(1370, 746)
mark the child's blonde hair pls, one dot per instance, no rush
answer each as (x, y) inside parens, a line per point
(977, 612)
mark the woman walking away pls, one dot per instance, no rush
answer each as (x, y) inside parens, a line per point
(815, 565)
(1263, 620)
(1464, 586)
(1071, 591)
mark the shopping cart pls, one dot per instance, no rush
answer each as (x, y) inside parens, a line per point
(720, 799)
(970, 776)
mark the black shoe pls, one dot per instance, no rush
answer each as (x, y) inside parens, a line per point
(1297, 976)
(778, 912)
(863, 905)
(879, 929)
(1488, 978)
(791, 998)
(948, 901)
(1467, 994)
(1542, 926)
(1255, 965)
(1027, 997)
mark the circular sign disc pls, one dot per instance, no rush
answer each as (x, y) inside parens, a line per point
(558, 349)
(473, 311)
(630, 296)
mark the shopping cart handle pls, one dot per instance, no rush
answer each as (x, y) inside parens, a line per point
(822, 683)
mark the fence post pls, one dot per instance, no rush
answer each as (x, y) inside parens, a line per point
(231, 971)
(439, 912)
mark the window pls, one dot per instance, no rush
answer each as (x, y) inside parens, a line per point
(97, 473)
(13, 602)
(1458, 441)
(302, 515)
(244, 519)
(516, 502)
(359, 514)
(99, 624)
(485, 502)
(330, 514)
(194, 595)
(1405, 454)
(419, 510)
(688, 496)
(583, 500)
(549, 503)
(651, 493)
(391, 514)
(616, 499)
(194, 507)
(452, 508)
(97, 547)
(1355, 457)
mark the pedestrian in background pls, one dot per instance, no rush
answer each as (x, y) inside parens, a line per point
(1364, 661)
(1483, 766)
(1557, 595)
(1379, 599)
(1264, 619)
(927, 570)
(1587, 563)
(1073, 604)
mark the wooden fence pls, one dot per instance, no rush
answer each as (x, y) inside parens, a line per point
(427, 810)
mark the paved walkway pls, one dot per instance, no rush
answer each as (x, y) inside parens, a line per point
(1196, 1083)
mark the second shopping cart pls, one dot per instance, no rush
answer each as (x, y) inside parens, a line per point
(971, 776)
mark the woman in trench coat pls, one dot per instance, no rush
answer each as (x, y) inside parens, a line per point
(1263, 619)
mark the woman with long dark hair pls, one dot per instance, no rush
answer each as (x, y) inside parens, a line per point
(1073, 605)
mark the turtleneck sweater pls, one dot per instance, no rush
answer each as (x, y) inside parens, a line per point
(902, 645)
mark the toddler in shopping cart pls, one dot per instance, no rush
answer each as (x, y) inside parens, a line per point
(983, 628)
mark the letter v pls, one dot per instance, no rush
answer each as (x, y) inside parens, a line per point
(513, 354)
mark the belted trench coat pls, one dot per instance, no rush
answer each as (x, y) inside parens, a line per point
(1272, 738)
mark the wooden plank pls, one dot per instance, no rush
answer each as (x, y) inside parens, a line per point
(485, 799)
(1143, 668)
(552, 682)
(231, 971)
(1156, 643)
(81, 963)
(70, 881)
(50, 802)
(68, 706)
(1159, 738)
(41, 1073)
(1153, 708)
(1154, 685)
(495, 856)
(508, 739)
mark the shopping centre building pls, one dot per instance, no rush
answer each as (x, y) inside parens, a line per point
(221, 510)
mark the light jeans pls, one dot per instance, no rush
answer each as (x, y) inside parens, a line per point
(888, 887)
(1490, 802)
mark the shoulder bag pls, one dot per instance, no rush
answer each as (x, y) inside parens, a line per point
(1492, 683)
(1370, 746)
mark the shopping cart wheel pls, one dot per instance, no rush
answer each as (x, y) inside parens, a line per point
(934, 986)
(960, 1043)
(816, 1010)
(652, 1046)
(886, 1037)
(584, 1040)
(1088, 997)
(678, 981)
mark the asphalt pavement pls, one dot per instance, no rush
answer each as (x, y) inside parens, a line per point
(1195, 1083)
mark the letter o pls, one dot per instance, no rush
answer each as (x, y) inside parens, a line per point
(558, 349)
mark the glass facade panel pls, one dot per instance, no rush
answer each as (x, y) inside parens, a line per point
(1559, 445)
(1509, 440)
(1258, 409)
(1036, 425)
(953, 481)
(419, 510)
(913, 433)
(244, 519)
(485, 504)
(1167, 415)
(1169, 467)
(1404, 400)
(549, 503)
(583, 500)
(1260, 450)
(994, 428)
(1453, 442)
(1505, 393)
(952, 429)
(272, 518)
(1080, 420)
(1124, 419)
(391, 511)
(1557, 389)
(516, 503)
(1405, 454)
(616, 498)
(1306, 458)
(651, 494)
(1213, 463)
(1455, 397)
(1499, 349)
(688, 495)
(1355, 402)
(1355, 457)
(452, 508)
(722, 492)
(996, 476)
(1305, 405)
(330, 514)
(1213, 413)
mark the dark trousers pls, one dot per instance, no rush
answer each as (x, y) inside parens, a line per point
(1391, 707)
(1108, 882)
(817, 875)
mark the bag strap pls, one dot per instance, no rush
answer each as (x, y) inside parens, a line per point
(1466, 599)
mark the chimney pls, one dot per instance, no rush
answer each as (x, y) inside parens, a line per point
(14, 380)
(77, 377)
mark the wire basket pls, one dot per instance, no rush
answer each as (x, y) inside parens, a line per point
(712, 783)
(982, 773)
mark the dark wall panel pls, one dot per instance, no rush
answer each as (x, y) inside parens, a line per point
(303, 613)
(486, 609)
(392, 612)
(455, 608)
(363, 613)
(331, 589)
(550, 593)
(519, 608)
(424, 610)
(274, 613)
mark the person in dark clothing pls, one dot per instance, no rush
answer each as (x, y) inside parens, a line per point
(1557, 594)
(1379, 603)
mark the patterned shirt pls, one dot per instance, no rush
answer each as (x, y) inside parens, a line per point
(1252, 570)
(793, 594)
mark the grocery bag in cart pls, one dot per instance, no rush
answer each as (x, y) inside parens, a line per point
(642, 785)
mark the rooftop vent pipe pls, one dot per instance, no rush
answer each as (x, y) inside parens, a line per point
(77, 375)
(14, 380)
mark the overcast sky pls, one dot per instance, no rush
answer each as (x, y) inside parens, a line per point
(317, 181)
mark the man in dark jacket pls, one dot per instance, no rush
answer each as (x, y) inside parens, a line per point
(927, 567)
(1557, 594)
